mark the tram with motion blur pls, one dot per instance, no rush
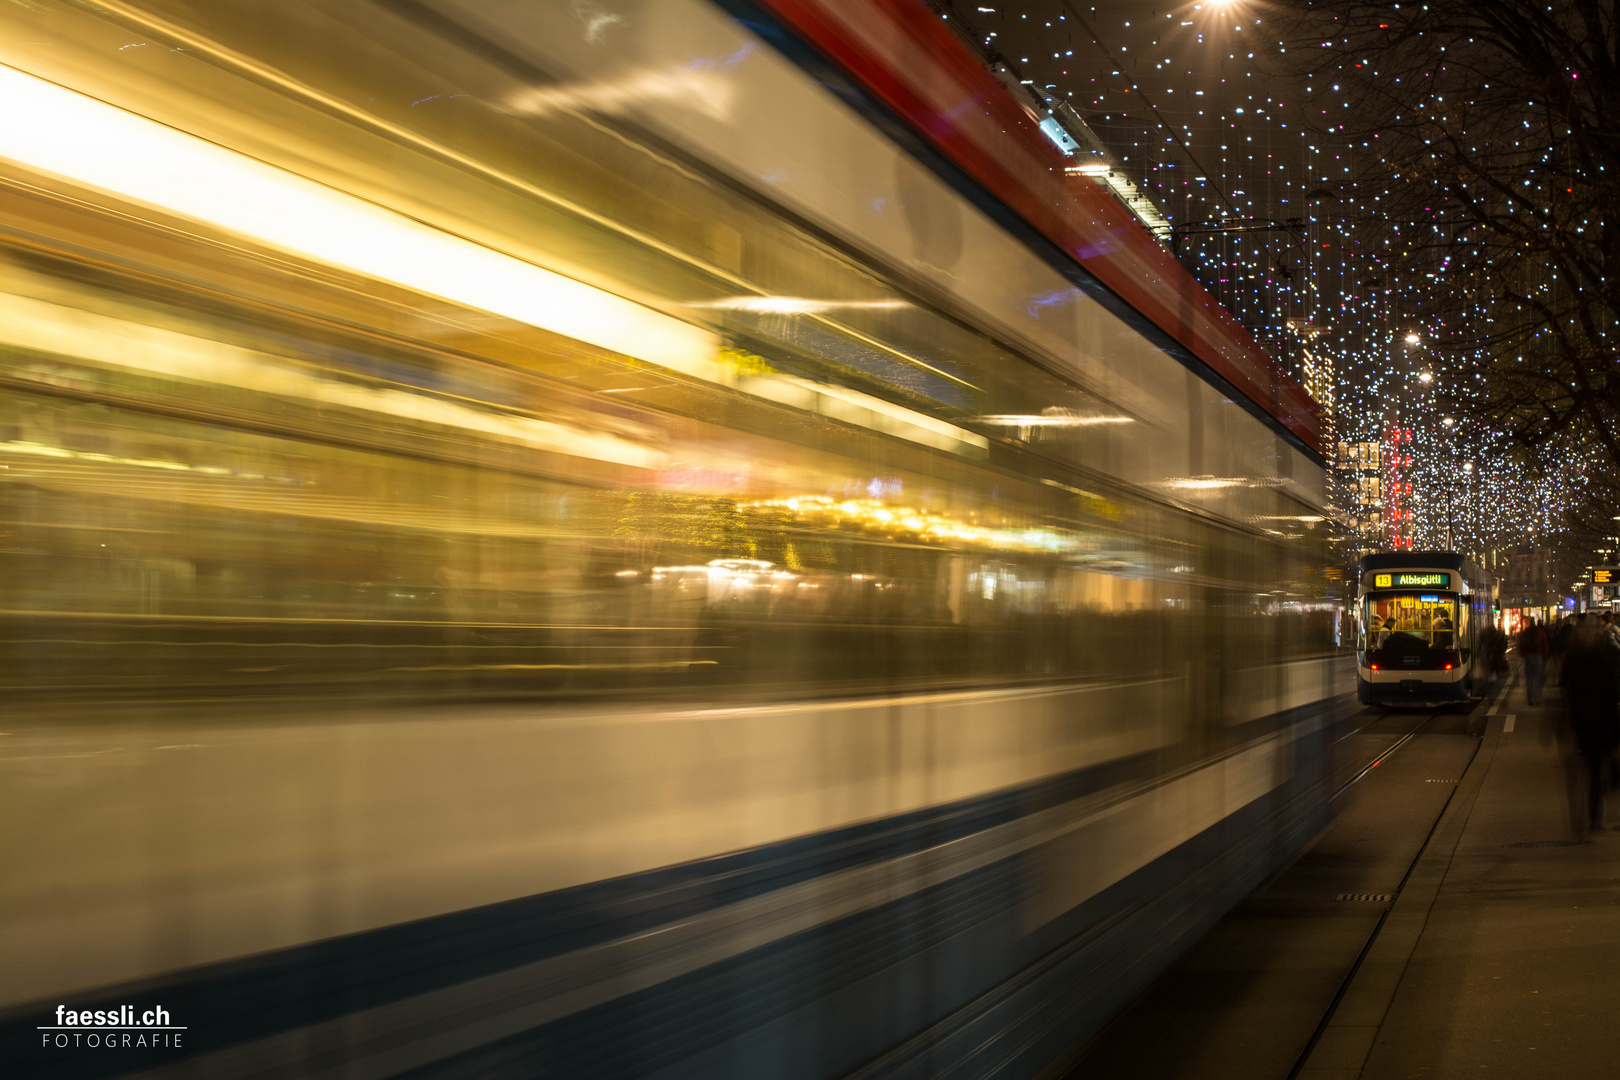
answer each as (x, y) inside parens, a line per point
(668, 538)
(1419, 619)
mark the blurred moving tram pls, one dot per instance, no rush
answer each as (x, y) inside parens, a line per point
(1419, 617)
(652, 539)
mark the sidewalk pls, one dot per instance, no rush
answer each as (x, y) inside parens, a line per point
(1501, 956)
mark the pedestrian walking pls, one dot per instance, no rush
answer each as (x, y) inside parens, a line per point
(1589, 694)
(1492, 658)
(1560, 640)
(1533, 650)
(1608, 643)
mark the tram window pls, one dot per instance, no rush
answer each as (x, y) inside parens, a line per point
(1428, 618)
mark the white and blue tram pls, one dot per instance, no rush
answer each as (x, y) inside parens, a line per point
(666, 538)
(1420, 618)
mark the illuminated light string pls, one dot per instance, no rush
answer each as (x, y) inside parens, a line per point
(1262, 155)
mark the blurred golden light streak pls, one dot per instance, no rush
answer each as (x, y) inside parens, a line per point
(798, 305)
(1205, 483)
(60, 131)
(924, 525)
(704, 91)
(820, 311)
(250, 68)
(628, 665)
(1052, 418)
(1208, 483)
(864, 410)
(34, 449)
(56, 130)
(40, 326)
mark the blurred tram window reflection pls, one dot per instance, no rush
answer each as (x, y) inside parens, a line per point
(289, 477)
(215, 556)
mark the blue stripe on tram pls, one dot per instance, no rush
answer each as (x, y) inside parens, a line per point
(913, 977)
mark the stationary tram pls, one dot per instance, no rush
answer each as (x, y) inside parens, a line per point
(1419, 617)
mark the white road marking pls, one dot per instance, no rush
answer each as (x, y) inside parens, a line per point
(1507, 723)
(1502, 698)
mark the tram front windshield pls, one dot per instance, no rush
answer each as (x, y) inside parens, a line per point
(1412, 619)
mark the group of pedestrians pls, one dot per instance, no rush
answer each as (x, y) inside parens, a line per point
(1585, 649)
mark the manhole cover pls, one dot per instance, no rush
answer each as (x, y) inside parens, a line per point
(1377, 897)
(1545, 843)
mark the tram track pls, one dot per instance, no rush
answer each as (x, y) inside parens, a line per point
(1383, 917)
(1382, 755)
(1295, 946)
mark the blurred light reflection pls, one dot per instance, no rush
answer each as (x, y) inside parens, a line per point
(48, 127)
(797, 305)
(705, 91)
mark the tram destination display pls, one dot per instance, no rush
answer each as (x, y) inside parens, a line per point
(1411, 580)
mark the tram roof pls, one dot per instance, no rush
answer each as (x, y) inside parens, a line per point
(1393, 560)
(903, 54)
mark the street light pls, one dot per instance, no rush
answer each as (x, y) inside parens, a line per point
(1413, 339)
